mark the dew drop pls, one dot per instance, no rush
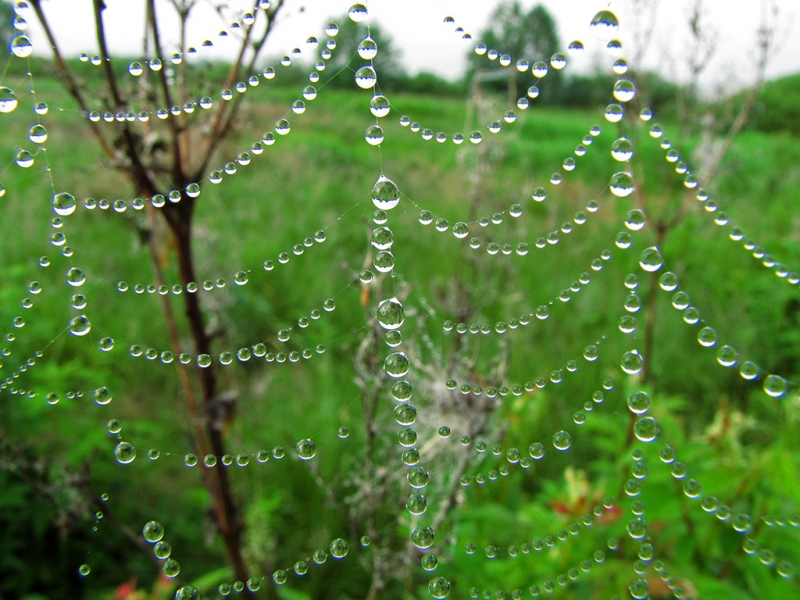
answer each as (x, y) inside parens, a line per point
(8, 100)
(624, 90)
(622, 149)
(632, 362)
(385, 194)
(621, 184)
(646, 429)
(561, 441)
(357, 13)
(365, 77)
(125, 453)
(651, 260)
(338, 548)
(439, 587)
(80, 326)
(306, 449)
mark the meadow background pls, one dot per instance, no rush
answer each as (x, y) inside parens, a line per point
(740, 443)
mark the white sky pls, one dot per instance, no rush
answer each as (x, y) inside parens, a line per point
(429, 45)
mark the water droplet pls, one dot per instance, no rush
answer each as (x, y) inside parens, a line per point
(21, 46)
(84, 570)
(385, 194)
(614, 113)
(367, 48)
(379, 106)
(75, 277)
(646, 429)
(632, 362)
(366, 77)
(102, 396)
(423, 537)
(343, 432)
(775, 386)
(621, 184)
(338, 548)
(707, 337)
(357, 13)
(306, 449)
(651, 260)
(575, 48)
(124, 453)
(384, 261)
(390, 314)
(639, 403)
(8, 100)
(37, 133)
(439, 587)
(374, 135)
(635, 220)
(80, 326)
(561, 441)
(63, 204)
(727, 356)
(24, 159)
(604, 25)
(396, 365)
(416, 504)
(558, 61)
(624, 90)
(622, 149)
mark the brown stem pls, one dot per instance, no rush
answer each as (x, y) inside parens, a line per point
(71, 85)
(224, 119)
(180, 221)
(178, 171)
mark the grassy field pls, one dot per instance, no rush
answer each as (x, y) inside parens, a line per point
(739, 442)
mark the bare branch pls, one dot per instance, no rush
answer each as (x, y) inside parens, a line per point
(177, 160)
(72, 85)
(223, 121)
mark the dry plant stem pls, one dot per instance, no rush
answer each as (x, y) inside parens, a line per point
(222, 123)
(178, 166)
(179, 218)
(71, 84)
(136, 168)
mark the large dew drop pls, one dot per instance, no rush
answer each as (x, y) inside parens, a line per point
(8, 101)
(124, 453)
(422, 537)
(153, 531)
(562, 441)
(306, 449)
(396, 365)
(646, 429)
(632, 362)
(75, 277)
(21, 46)
(357, 13)
(624, 90)
(439, 587)
(339, 548)
(604, 25)
(621, 184)
(80, 326)
(651, 260)
(385, 194)
(368, 49)
(63, 204)
(366, 77)
(390, 314)
(622, 149)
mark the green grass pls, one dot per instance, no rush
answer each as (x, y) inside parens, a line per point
(739, 443)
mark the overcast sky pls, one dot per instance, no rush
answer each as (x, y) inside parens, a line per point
(429, 45)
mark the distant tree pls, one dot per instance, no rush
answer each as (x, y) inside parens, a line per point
(530, 35)
(387, 61)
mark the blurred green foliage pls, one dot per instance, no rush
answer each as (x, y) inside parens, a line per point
(741, 444)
